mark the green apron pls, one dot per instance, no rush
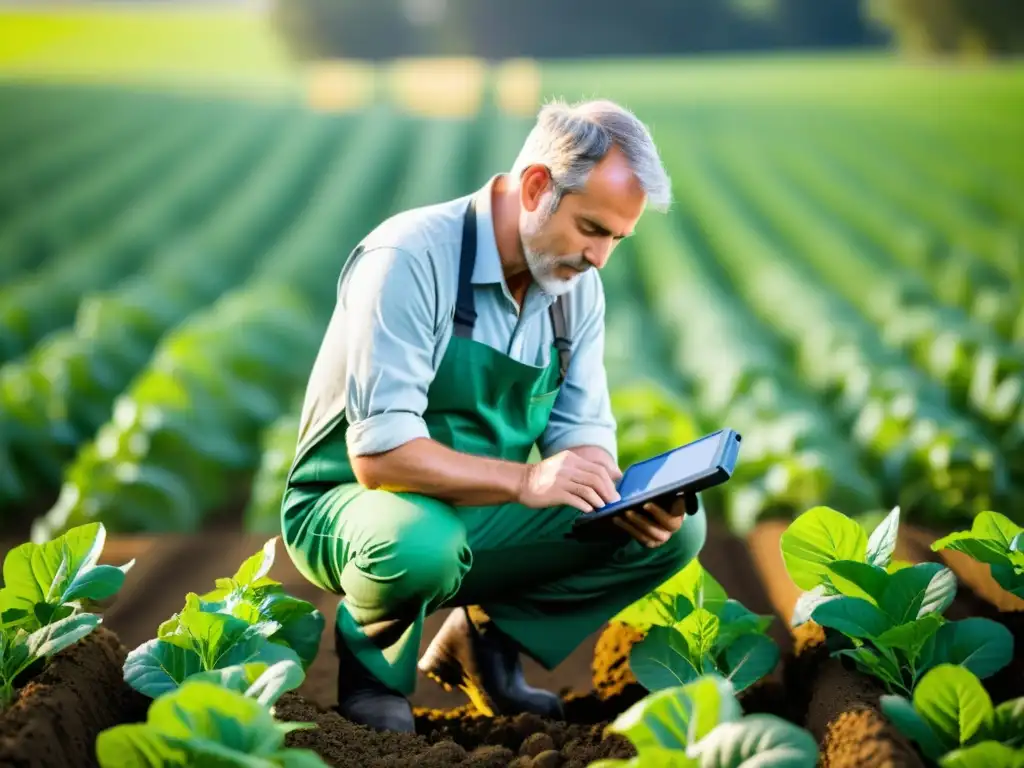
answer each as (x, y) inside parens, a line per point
(398, 557)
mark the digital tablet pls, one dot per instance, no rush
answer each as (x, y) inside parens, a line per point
(689, 469)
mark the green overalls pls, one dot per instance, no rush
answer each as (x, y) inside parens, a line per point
(398, 557)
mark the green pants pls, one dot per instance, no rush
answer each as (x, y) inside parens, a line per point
(399, 557)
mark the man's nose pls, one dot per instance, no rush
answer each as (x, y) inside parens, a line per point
(598, 253)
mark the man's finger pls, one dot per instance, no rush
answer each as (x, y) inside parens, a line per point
(650, 529)
(636, 533)
(661, 517)
(599, 481)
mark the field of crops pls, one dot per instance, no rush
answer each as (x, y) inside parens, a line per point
(841, 282)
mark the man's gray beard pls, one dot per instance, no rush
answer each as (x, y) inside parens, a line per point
(543, 267)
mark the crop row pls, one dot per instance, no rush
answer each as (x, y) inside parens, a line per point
(154, 367)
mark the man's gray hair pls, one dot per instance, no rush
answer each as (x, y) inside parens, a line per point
(571, 139)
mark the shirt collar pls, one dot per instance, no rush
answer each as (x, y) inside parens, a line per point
(487, 269)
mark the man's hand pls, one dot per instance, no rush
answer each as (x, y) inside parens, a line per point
(569, 479)
(657, 526)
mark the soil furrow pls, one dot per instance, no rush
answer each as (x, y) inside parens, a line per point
(57, 716)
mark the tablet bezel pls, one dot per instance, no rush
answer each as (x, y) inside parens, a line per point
(728, 442)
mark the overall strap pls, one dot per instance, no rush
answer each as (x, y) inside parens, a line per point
(562, 341)
(465, 307)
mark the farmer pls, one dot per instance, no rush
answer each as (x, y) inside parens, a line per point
(464, 333)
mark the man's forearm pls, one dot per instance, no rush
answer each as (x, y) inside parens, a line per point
(430, 468)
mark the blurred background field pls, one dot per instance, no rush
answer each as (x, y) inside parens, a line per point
(840, 278)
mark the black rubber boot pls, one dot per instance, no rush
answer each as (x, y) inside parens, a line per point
(473, 655)
(364, 699)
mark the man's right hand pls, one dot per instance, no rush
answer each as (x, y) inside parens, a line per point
(567, 479)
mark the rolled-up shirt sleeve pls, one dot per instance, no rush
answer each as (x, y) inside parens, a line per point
(582, 414)
(387, 296)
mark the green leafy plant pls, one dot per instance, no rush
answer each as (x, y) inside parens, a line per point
(45, 601)
(202, 723)
(887, 619)
(300, 624)
(952, 719)
(701, 724)
(247, 619)
(996, 540)
(692, 628)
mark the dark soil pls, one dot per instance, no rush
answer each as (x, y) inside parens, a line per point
(58, 715)
(445, 739)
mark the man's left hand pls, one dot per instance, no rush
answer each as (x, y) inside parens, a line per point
(654, 526)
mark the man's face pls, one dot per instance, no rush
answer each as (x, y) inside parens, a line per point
(586, 227)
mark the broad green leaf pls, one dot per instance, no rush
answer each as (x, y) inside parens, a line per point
(761, 740)
(137, 745)
(699, 630)
(157, 667)
(997, 527)
(256, 567)
(60, 571)
(987, 754)
(982, 550)
(735, 621)
(264, 682)
(301, 624)
(861, 580)
(712, 702)
(661, 660)
(912, 636)
(650, 610)
(909, 722)
(99, 583)
(749, 659)
(209, 725)
(917, 591)
(1008, 579)
(661, 720)
(1007, 724)
(852, 616)
(816, 538)
(954, 704)
(55, 637)
(981, 645)
(882, 542)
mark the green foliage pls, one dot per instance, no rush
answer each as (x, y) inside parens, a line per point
(701, 724)
(201, 723)
(693, 628)
(248, 619)
(44, 604)
(887, 620)
(952, 720)
(996, 540)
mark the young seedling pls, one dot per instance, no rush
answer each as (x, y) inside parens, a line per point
(996, 540)
(887, 620)
(300, 624)
(692, 628)
(701, 724)
(247, 619)
(952, 719)
(202, 723)
(48, 589)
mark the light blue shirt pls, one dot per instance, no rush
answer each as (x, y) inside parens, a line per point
(394, 317)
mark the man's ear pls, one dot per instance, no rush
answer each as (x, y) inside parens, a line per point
(535, 181)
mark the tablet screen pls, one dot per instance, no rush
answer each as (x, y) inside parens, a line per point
(675, 465)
